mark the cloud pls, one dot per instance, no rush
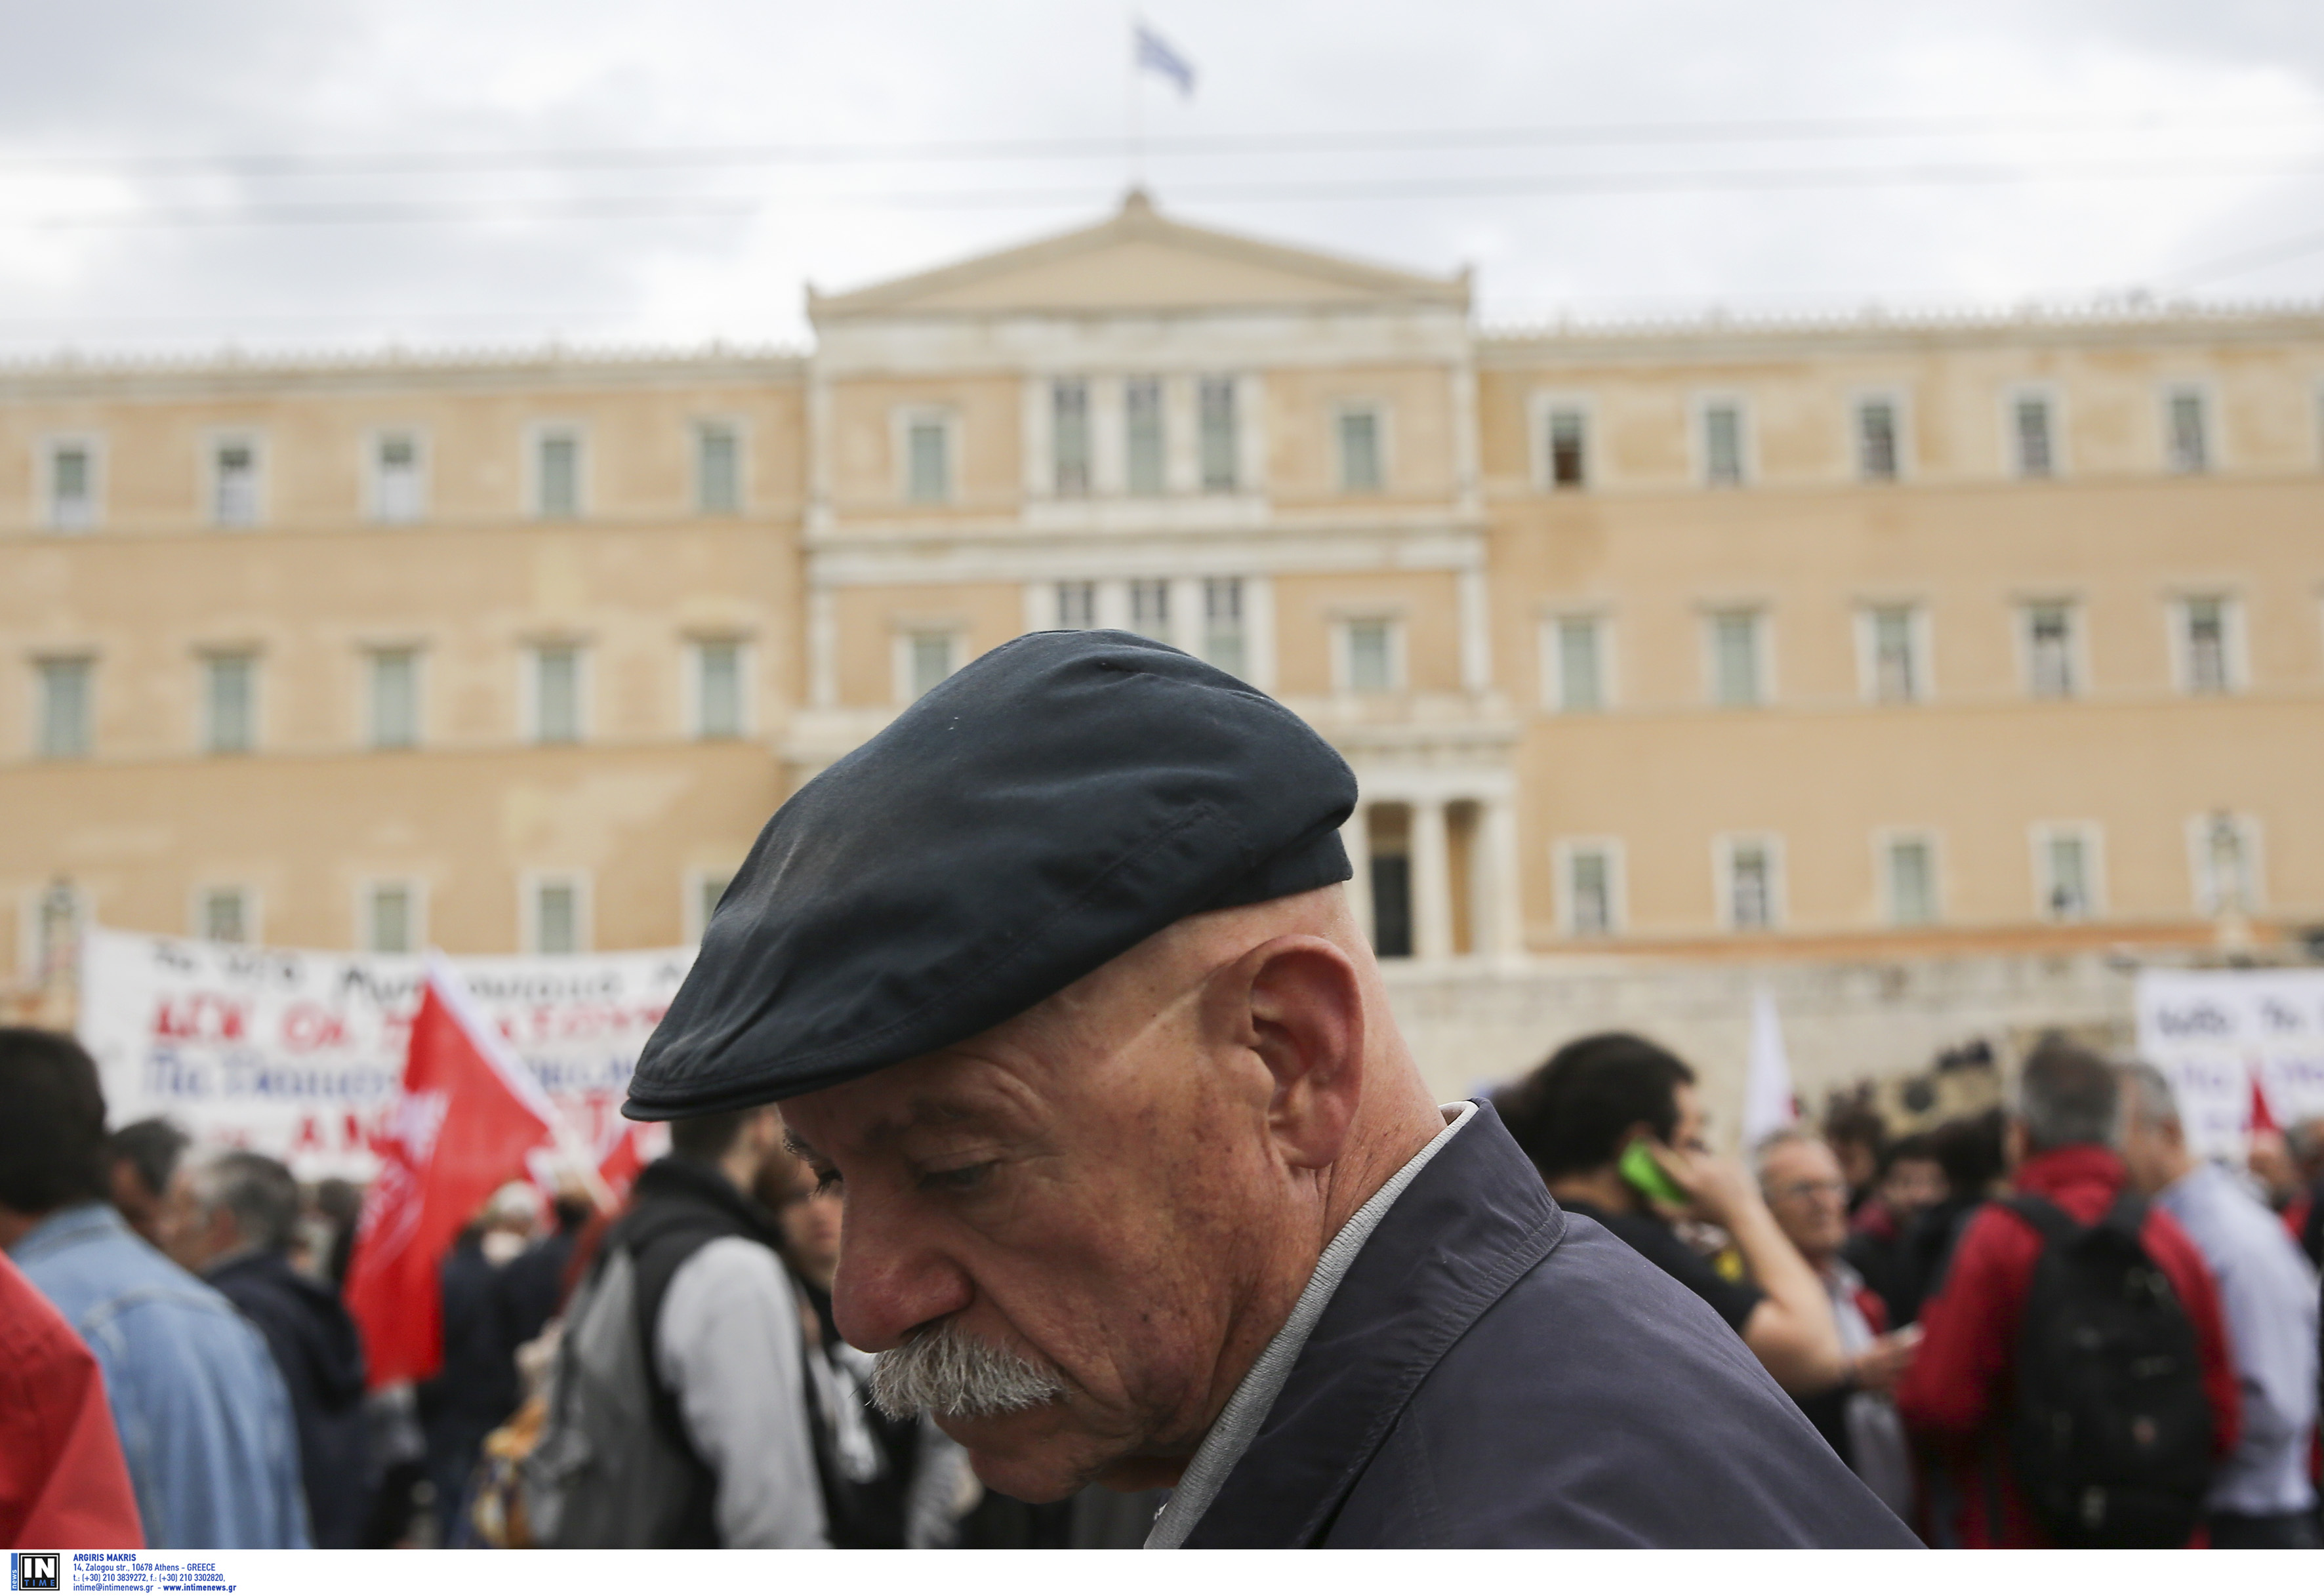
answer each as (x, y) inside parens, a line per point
(711, 250)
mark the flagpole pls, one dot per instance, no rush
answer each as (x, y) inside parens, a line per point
(1135, 108)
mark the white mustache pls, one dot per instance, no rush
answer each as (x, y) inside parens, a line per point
(946, 1371)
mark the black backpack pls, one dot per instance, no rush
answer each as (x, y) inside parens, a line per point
(2112, 1435)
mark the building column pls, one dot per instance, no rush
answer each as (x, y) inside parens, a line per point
(1432, 884)
(819, 453)
(1356, 836)
(1476, 632)
(1500, 883)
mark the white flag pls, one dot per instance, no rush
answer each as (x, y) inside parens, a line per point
(1767, 1078)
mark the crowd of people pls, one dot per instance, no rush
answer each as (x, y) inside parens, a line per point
(183, 1372)
(2049, 1325)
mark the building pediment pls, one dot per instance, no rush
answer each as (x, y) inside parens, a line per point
(1139, 260)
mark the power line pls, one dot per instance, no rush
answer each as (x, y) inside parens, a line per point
(1576, 135)
(331, 213)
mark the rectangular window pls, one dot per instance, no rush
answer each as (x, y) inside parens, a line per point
(717, 469)
(2226, 849)
(927, 446)
(1589, 890)
(223, 914)
(2065, 857)
(72, 486)
(2031, 430)
(1751, 884)
(1220, 439)
(2049, 668)
(1876, 439)
(392, 918)
(556, 485)
(718, 688)
(234, 482)
(1069, 436)
(1223, 633)
(557, 692)
(2204, 666)
(1141, 405)
(1360, 451)
(1912, 868)
(928, 658)
(394, 698)
(66, 708)
(1076, 606)
(230, 703)
(2186, 446)
(1581, 685)
(557, 916)
(1568, 464)
(397, 493)
(1735, 658)
(1722, 444)
(1371, 655)
(1150, 608)
(1895, 655)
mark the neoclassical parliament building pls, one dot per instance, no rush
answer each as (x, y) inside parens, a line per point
(1933, 671)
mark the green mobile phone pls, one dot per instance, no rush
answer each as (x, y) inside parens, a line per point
(1640, 1167)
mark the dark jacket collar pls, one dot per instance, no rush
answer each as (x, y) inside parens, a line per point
(1466, 1229)
(677, 1178)
(303, 1320)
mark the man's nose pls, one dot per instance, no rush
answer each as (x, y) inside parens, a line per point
(890, 1281)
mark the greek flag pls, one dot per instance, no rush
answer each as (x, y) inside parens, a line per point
(1154, 56)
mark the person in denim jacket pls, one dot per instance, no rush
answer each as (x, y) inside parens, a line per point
(204, 1417)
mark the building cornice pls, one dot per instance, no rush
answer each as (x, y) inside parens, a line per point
(134, 376)
(1713, 333)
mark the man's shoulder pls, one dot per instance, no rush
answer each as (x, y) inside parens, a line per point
(1598, 1401)
(1596, 1290)
(109, 1275)
(2232, 1243)
(726, 1274)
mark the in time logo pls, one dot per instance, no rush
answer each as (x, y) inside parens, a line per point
(36, 1571)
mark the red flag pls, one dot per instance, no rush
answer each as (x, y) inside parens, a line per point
(2261, 1120)
(470, 1118)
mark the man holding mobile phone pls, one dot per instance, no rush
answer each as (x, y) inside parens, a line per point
(1615, 1125)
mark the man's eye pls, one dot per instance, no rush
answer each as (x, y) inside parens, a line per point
(967, 1178)
(826, 1181)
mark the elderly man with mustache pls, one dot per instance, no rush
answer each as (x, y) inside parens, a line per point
(1057, 983)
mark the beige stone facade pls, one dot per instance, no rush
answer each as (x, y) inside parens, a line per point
(1851, 644)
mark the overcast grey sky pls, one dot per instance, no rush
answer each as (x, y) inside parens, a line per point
(182, 175)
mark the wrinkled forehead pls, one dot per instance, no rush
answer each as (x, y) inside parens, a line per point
(1071, 1059)
(1000, 1084)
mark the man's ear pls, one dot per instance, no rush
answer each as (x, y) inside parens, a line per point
(1297, 1002)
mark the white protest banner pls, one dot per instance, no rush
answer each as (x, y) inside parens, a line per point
(2213, 1031)
(300, 1054)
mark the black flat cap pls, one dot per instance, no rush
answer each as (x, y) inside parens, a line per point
(1048, 807)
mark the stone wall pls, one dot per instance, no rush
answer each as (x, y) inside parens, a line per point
(1843, 1021)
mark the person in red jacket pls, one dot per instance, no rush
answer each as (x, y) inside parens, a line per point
(62, 1480)
(1957, 1398)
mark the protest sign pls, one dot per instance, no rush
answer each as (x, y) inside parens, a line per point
(300, 1053)
(2214, 1032)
